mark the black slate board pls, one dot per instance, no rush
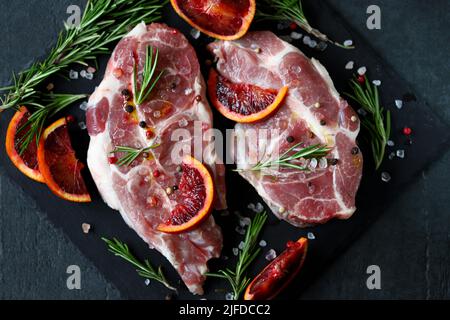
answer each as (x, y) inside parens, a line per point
(430, 138)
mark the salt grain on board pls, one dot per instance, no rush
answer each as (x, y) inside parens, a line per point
(311, 236)
(376, 83)
(296, 35)
(270, 255)
(262, 243)
(400, 153)
(84, 106)
(73, 74)
(362, 71)
(195, 33)
(390, 143)
(350, 65)
(348, 43)
(399, 104)
(385, 176)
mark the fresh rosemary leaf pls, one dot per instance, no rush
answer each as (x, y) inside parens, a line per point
(291, 157)
(131, 154)
(103, 22)
(291, 10)
(145, 270)
(237, 277)
(377, 122)
(148, 81)
(48, 106)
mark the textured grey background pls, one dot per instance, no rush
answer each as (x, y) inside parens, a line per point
(410, 242)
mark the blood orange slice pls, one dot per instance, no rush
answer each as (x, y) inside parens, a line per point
(279, 273)
(243, 103)
(221, 19)
(58, 164)
(195, 197)
(27, 161)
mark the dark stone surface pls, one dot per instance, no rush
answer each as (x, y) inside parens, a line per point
(409, 242)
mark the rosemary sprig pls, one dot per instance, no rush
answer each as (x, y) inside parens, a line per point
(131, 154)
(377, 122)
(291, 10)
(147, 85)
(103, 22)
(145, 270)
(237, 277)
(48, 106)
(291, 156)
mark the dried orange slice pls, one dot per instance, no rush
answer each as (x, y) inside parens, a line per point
(58, 164)
(195, 195)
(279, 273)
(220, 19)
(243, 103)
(27, 161)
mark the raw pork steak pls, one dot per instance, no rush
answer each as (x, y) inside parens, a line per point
(312, 113)
(136, 191)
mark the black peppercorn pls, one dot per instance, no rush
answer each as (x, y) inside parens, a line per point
(355, 150)
(179, 169)
(126, 93)
(129, 108)
(323, 122)
(198, 98)
(290, 139)
(143, 124)
(175, 188)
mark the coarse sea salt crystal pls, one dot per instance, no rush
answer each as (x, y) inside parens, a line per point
(400, 153)
(241, 245)
(73, 74)
(240, 230)
(323, 163)
(259, 208)
(91, 70)
(147, 282)
(86, 227)
(262, 243)
(82, 125)
(312, 44)
(235, 251)
(350, 65)
(83, 73)
(391, 155)
(84, 106)
(188, 91)
(195, 33)
(251, 206)
(390, 143)
(89, 76)
(377, 82)
(311, 236)
(385, 176)
(362, 71)
(399, 103)
(245, 221)
(296, 35)
(313, 163)
(348, 43)
(270, 255)
(306, 40)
